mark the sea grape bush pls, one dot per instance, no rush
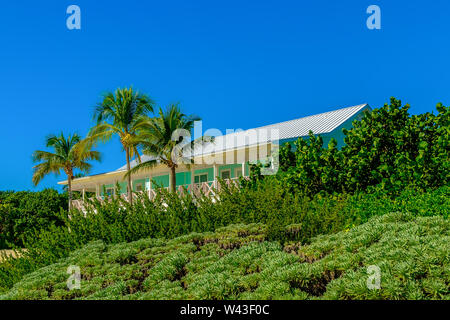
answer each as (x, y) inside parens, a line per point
(392, 149)
(388, 150)
(238, 262)
(23, 213)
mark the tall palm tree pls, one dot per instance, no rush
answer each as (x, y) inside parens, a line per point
(68, 156)
(157, 140)
(120, 113)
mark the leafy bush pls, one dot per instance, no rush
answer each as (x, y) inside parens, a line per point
(237, 262)
(265, 203)
(391, 149)
(387, 150)
(23, 213)
(391, 162)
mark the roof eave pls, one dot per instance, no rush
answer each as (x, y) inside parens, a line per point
(65, 182)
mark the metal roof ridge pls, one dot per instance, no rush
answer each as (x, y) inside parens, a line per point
(359, 106)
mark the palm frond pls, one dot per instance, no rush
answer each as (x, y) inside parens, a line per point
(43, 169)
(102, 132)
(69, 153)
(39, 155)
(142, 166)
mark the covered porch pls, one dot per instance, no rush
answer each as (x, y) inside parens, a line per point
(195, 179)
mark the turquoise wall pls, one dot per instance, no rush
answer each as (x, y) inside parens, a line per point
(232, 168)
(160, 181)
(122, 187)
(136, 182)
(183, 178)
(336, 133)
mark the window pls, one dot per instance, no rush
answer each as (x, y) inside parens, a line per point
(109, 192)
(238, 172)
(201, 178)
(139, 187)
(225, 174)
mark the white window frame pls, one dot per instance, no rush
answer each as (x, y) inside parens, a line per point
(141, 185)
(225, 170)
(199, 175)
(107, 193)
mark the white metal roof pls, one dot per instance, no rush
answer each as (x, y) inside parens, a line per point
(144, 158)
(319, 124)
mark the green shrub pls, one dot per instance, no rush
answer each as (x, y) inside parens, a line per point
(23, 213)
(387, 150)
(265, 203)
(237, 262)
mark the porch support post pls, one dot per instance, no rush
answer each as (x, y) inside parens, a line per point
(170, 181)
(97, 190)
(243, 169)
(215, 175)
(84, 194)
(150, 187)
(192, 177)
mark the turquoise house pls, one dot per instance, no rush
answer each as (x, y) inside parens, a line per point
(228, 157)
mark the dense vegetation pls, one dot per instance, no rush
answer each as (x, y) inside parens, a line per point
(392, 162)
(119, 222)
(237, 262)
(387, 150)
(22, 214)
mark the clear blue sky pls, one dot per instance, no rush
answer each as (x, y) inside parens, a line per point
(237, 64)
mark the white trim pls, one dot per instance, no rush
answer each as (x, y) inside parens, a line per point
(135, 186)
(215, 174)
(225, 170)
(113, 193)
(201, 174)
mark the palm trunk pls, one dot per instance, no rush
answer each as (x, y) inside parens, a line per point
(173, 179)
(130, 191)
(70, 192)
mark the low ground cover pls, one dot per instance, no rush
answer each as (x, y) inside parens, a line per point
(237, 262)
(264, 204)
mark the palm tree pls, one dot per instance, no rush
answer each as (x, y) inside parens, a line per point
(157, 137)
(68, 156)
(120, 113)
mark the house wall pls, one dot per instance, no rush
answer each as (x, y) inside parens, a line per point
(160, 181)
(183, 178)
(122, 187)
(232, 168)
(138, 181)
(336, 133)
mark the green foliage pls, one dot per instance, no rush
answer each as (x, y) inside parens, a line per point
(393, 162)
(237, 262)
(156, 139)
(388, 150)
(120, 113)
(267, 203)
(23, 213)
(316, 169)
